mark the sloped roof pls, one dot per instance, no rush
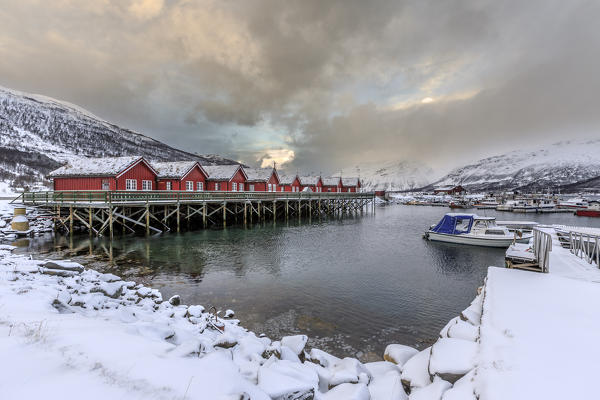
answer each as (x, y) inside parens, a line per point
(106, 166)
(331, 181)
(351, 181)
(222, 172)
(259, 174)
(286, 179)
(174, 169)
(309, 180)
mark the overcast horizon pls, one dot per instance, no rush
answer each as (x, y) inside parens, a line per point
(318, 86)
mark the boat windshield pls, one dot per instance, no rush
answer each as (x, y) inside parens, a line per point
(462, 225)
(495, 232)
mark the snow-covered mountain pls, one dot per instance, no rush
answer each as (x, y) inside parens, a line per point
(391, 176)
(559, 165)
(38, 134)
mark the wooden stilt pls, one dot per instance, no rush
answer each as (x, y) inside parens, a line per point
(245, 215)
(147, 219)
(204, 215)
(110, 222)
(224, 215)
(90, 219)
(70, 220)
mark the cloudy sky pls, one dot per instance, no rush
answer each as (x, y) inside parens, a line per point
(318, 85)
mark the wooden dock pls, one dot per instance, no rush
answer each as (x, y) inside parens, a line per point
(102, 213)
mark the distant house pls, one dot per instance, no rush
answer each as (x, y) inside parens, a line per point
(180, 175)
(226, 178)
(312, 183)
(262, 180)
(351, 184)
(289, 183)
(109, 173)
(451, 189)
(332, 184)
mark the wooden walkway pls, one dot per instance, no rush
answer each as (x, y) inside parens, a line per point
(103, 212)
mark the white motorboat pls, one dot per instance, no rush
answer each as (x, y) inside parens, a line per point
(575, 204)
(524, 207)
(508, 206)
(487, 204)
(474, 230)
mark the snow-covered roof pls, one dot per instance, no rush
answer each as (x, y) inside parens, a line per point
(309, 180)
(174, 169)
(222, 172)
(286, 179)
(330, 181)
(259, 174)
(106, 166)
(350, 181)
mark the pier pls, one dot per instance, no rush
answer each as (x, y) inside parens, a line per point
(103, 213)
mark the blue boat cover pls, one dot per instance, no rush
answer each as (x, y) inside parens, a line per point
(454, 224)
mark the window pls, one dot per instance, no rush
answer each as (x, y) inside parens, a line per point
(281, 188)
(146, 185)
(274, 187)
(241, 187)
(217, 186)
(130, 184)
(200, 186)
(270, 187)
(251, 187)
(168, 186)
(234, 187)
(105, 184)
(189, 185)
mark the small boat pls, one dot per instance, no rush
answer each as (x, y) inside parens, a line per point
(524, 207)
(487, 204)
(508, 206)
(575, 204)
(474, 230)
(461, 203)
(593, 210)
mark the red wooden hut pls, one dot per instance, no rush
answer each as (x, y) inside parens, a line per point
(225, 178)
(332, 184)
(312, 183)
(351, 184)
(180, 175)
(109, 173)
(289, 183)
(262, 180)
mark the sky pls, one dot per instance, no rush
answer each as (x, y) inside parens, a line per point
(317, 85)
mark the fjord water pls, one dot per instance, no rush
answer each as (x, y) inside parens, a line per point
(353, 285)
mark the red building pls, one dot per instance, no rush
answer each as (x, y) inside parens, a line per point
(448, 190)
(180, 175)
(332, 184)
(225, 178)
(290, 183)
(351, 184)
(262, 180)
(111, 173)
(312, 183)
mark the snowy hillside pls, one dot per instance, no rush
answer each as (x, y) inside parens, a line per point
(38, 134)
(560, 164)
(392, 176)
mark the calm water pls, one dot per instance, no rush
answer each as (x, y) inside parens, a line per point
(352, 285)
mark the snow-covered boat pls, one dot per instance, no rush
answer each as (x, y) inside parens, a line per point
(474, 230)
(575, 204)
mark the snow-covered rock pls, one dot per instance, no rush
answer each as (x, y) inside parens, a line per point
(415, 372)
(387, 386)
(463, 389)
(399, 354)
(284, 378)
(296, 343)
(452, 358)
(348, 391)
(433, 391)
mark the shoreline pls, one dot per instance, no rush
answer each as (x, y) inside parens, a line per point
(83, 295)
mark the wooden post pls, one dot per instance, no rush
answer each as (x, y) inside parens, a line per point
(147, 219)
(224, 214)
(178, 218)
(274, 211)
(286, 209)
(245, 215)
(70, 220)
(90, 219)
(258, 208)
(110, 222)
(204, 215)
(299, 210)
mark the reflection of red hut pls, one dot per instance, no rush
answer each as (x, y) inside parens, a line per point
(262, 180)
(290, 183)
(332, 184)
(225, 178)
(110, 173)
(312, 183)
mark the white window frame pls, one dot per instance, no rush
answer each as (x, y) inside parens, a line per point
(252, 187)
(200, 186)
(234, 186)
(189, 186)
(130, 184)
(217, 186)
(241, 187)
(146, 185)
(169, 185)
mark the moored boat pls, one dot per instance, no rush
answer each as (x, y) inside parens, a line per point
(574, 204)
(593, 210)
(474, 230)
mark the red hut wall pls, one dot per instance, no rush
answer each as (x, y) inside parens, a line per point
(83, 183)
(238, 178)
(139, 172)
(175, 184)
(195, 175)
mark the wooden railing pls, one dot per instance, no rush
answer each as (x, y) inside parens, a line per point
(121, 197)
(585, 246)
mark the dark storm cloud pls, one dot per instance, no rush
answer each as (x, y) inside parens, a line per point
(334, 83)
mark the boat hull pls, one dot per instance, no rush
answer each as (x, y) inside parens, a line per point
(475, 241)
(588, 213)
